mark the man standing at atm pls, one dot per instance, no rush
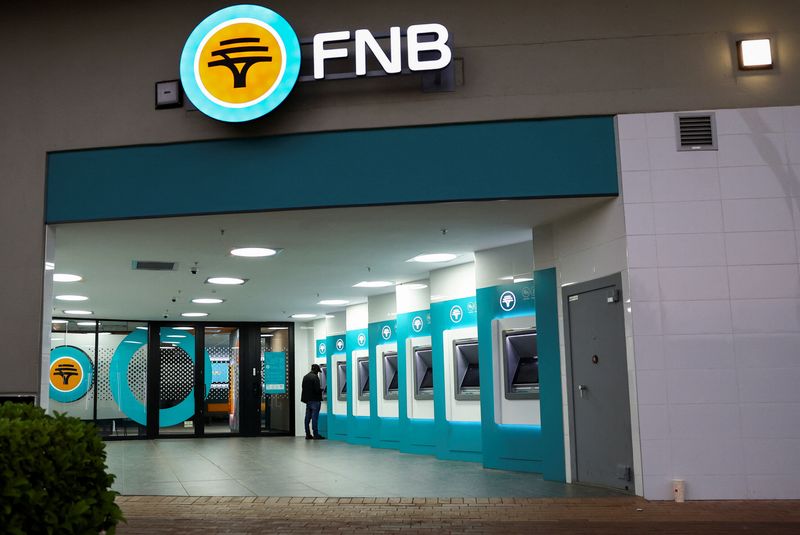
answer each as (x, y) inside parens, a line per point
(312, 397)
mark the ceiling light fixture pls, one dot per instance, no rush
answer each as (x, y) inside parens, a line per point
(72, 298)
(433, 258)
(145, 328)
(508, 278)
(87, 323)
(207, 301)
(372, 284)
(754, 54)
(253, 252)
(267, 335)
(176, 336)
(58, 322)
(66, 277)
(277, 328)
(522, 279)
(49, 266)
(181, 328)
(194, 314)
(414, 286)
(228, 281)
(303, 316)
(79, 312)
(334, 302)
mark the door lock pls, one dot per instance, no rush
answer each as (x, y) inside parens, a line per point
(582, 389)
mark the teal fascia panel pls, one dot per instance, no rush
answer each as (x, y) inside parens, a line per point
(566, 157)
(384, 431)
(358, 427)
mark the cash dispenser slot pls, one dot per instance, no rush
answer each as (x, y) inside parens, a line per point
(423, 372)
(465, 369)
(363, 378)
(390, 375)
(341, 381)
(323, 380)
(521, 363)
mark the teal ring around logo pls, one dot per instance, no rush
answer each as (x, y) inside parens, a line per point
(263, 107)
(86, 382)
(121, 390)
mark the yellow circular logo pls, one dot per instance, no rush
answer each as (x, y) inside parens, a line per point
(240, 62)
(66, 374)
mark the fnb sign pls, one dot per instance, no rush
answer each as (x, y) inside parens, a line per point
(242, 61)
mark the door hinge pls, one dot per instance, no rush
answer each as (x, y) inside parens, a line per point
(624, 472)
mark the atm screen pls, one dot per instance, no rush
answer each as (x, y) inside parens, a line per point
(472, 377)
(344, 387)
(427, 379)
(366, 385)
(527, 371)
(393, 384)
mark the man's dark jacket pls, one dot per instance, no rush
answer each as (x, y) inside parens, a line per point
(312, 391)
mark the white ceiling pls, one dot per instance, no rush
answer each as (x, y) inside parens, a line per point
(325, 252)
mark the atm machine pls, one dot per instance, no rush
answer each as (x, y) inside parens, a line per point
(323, 380)
(423, 372)
(516, 371)
(387, 381)
(419, 370)
(341, 374)
(462, 375)
(360, 380)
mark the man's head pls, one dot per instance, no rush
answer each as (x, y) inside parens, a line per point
(315, 368)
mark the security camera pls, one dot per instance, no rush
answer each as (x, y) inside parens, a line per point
(166, 316)
(173, 299)
(194, 270)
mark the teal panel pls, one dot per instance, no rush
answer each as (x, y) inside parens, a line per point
(358, 427)
(384, 431)
(336, 423)
(550, 375)
(565, 157)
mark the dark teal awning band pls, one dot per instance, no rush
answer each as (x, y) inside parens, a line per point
(478, 161)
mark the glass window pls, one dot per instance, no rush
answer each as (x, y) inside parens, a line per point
(72, 363)
(275, 400)
(222, 404)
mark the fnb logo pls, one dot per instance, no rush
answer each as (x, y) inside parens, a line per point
(66, 374)
(70, 374)
(240, 63)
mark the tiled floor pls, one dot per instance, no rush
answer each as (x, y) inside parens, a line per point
(608, 516)
(290, 466)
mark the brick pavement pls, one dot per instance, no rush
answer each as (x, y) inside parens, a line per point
(250, 515)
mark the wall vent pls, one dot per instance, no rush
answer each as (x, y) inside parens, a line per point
(150, 265)
(696, 131)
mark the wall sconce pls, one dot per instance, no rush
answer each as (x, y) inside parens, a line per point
(754, 54)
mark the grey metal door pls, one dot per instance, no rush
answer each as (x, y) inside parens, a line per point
(598, 373)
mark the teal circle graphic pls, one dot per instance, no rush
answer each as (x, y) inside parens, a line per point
(236, 114)
(121, 390)
(84, 385)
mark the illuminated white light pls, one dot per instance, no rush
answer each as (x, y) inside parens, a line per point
(509, 278)
(176, 336)
(87, 323)
(194, 314)
(49, 266)
(523, 279)
(333, 302)
(72, 298)
(754, 53)
(267, 335)
(433, 258)
(66, 277)
(415, 286)
(225, 280)
(329, 316)
(145, 328)
(60, 321)
(132, 342)
(207, 301)
(303, 316)
(372, 284)
(79, 312)
(179, 328)
(277, 328)
(253, 252)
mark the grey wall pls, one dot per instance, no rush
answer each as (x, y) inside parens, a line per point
(79, 75)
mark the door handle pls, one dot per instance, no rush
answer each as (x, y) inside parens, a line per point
(582, 389)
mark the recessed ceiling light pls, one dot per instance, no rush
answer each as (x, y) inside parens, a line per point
(60, 321)
(143, 328)
(277, 328)
(79, 312)
(755, 54)
(433, 258)
(194, 314)
(253, 252)
(87, 323)
(303, 316)
(66, 277)
(267, 335)
(333, 302)
(49, 266)
(523, 279)
(176, 336)
(72, 298)
(230, 281)
(207, 301)
(181, 328)
(415, 286)
(372, 284)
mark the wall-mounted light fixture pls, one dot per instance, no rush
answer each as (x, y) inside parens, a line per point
(755, 54)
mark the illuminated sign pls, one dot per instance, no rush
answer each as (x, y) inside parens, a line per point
(70, 374)
(242, 61)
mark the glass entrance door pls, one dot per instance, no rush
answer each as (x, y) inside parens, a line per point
(178, 373)
(222, 404)
(277, 402)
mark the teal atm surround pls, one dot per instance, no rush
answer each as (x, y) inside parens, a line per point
(320, 346)
(336, 424)
(359, 431)
(417, 435)
(524, 448)
(457, 441)
(384, 430)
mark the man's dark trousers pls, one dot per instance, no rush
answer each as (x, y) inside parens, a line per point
(312, 415)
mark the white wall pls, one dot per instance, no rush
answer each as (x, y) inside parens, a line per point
(713, 242)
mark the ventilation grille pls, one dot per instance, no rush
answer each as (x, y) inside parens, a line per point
(696, 131)
(149, 265)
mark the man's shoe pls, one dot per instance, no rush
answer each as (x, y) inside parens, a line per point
(309, 437)
(319, 438)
